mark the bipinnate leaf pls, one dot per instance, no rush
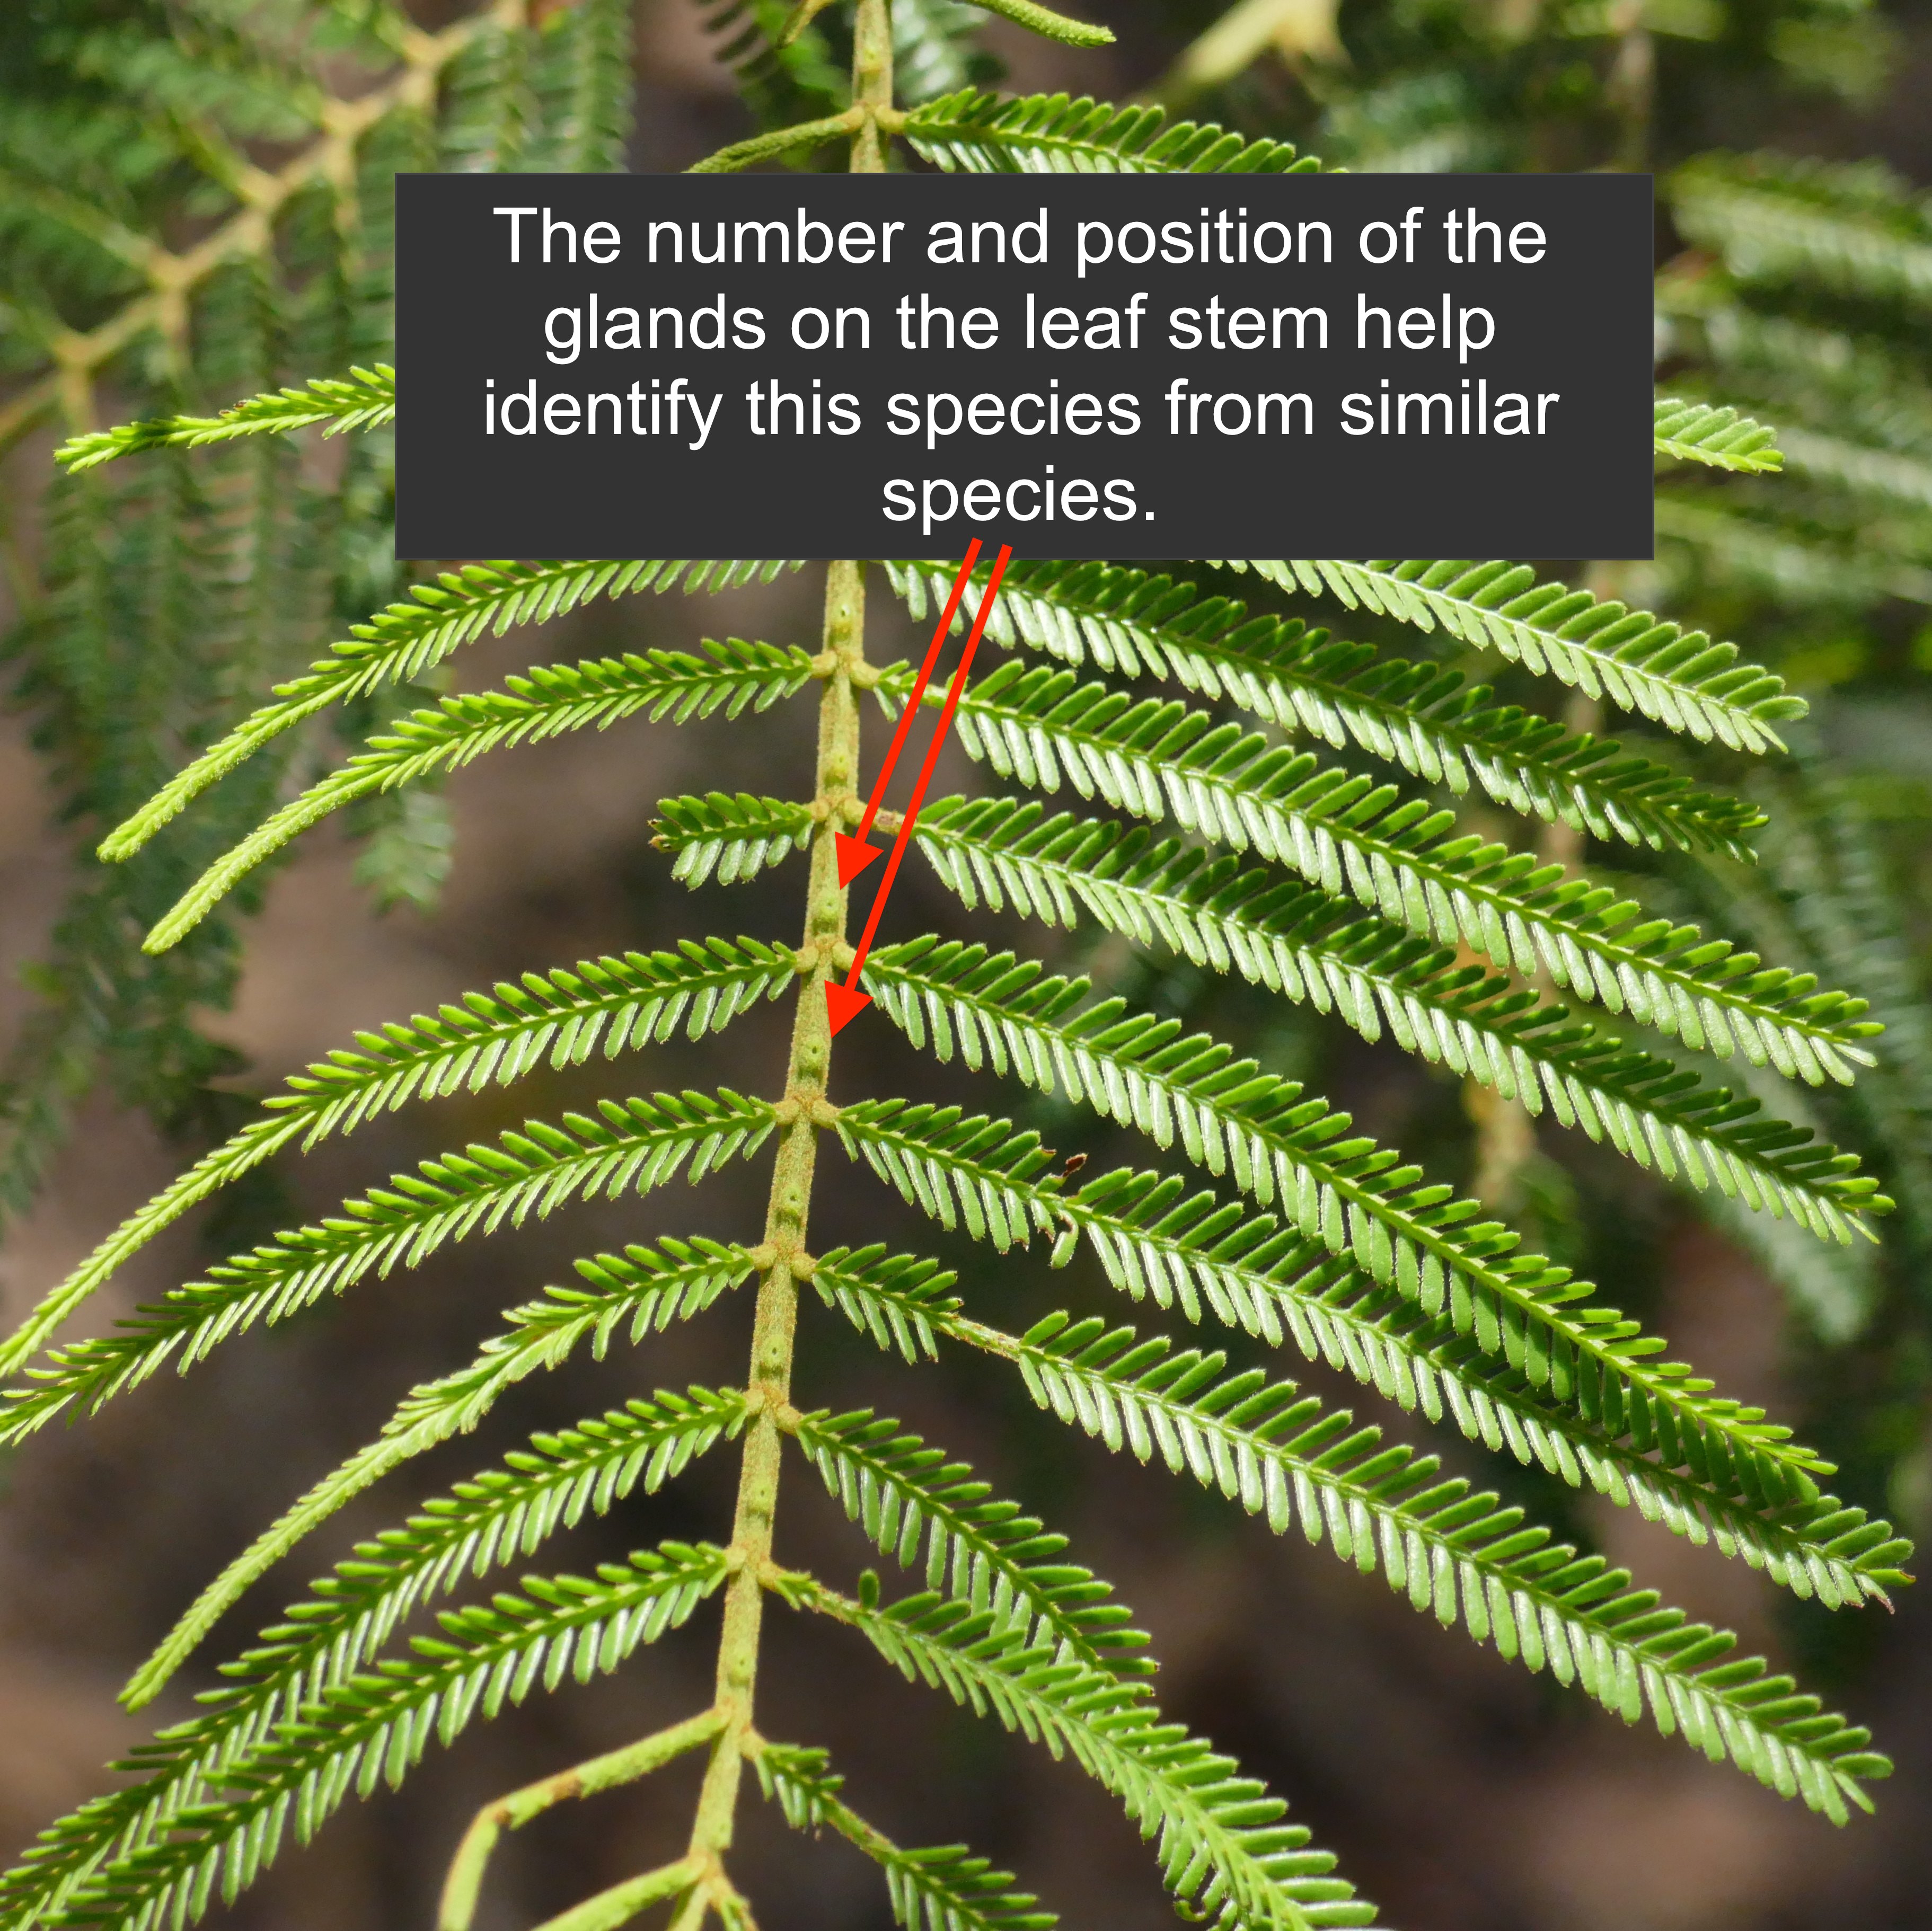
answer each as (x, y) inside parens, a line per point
(1223, 1852)
(1315, 880)
(400, 644)
(558, 1018)
(373, 1728)
(646, 1289)
(1424, 717)
(498, 1517)
(363, 399)
(631, 1146)
(551, 700)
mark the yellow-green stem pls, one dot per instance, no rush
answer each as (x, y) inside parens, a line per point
(464, 1885)
(871, 82)
(775, 1321)
(623, 1902)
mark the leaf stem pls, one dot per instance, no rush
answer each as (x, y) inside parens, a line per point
(465, 1882)
(805, 1111)
(779, 141)
(623, 1902)
(872, 83)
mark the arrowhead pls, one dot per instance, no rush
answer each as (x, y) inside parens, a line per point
(853, 858)
(844, 1002)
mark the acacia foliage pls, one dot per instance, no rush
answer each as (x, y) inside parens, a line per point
(1343, 879)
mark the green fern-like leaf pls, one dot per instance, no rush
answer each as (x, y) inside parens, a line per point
(1253, 1272)
(1280, 1454)
(633, 1146)
(497, 1517)
(363, 399)
(1191, 1257)
(1457, 1553)
(1010, 1016)
(907, 1496)
(1296, 940)
(401, 644)
(493, 1038)
(374, 1727)
(201, 200)
(649, 1289)
(1222, 1852)
(1420, 716)
(1679, 678)
(1720, 439)
(731, 838)
(551, 700)
(1517, 1310)
(973, 132)
(1345, 833)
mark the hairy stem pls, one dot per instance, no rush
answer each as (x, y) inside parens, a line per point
(872, 83)
(803, 1111)
(776, 1319)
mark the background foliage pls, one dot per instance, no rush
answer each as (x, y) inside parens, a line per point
(1798, 290)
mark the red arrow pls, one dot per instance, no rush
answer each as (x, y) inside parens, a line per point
(844, 1002)
(854, 854)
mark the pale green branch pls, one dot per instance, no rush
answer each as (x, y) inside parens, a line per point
(781, 141)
